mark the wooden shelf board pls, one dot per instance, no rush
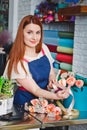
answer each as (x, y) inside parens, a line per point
(75, 11)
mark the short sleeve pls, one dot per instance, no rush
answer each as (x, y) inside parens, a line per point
(21, 73)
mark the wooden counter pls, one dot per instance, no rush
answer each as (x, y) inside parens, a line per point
(42, 121)
(73, 11)
(20, 124)
(52, 122)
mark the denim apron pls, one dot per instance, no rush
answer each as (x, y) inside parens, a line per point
(40, 69)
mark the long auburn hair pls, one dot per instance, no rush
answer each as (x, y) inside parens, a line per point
(18, 48)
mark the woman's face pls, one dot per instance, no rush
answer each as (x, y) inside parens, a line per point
(32, 35)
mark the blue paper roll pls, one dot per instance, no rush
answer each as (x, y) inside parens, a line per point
(66, 42)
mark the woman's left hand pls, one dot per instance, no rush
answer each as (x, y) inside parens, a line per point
(63, 94)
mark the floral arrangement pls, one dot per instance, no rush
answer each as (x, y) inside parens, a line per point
(45, 11)
(68, 79)
(41, 105)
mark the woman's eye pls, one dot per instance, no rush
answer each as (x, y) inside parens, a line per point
(29, 32)
(38, 32)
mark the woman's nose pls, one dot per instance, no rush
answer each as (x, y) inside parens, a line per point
(34, 36)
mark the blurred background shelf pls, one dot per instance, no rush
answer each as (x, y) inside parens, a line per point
(74, 11)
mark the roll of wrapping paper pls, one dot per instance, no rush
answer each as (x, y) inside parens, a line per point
(52, 48)
(56, 65)
(51, 40)
(64, 58)
(65, 34)
(66, 42)
(65, 50)
(65, 66)
(53, 54)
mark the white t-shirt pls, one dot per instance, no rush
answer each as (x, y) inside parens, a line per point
(21, 71)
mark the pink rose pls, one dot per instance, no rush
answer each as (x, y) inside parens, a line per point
(71, 81)
(62, 82)
(79, 83)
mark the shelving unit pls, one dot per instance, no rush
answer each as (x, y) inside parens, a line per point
(73, 11)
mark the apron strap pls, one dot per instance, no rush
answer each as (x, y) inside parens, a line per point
(28, 60)
(43, 51)
(25, 60)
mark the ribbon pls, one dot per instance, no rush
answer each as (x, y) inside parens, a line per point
(72, 102)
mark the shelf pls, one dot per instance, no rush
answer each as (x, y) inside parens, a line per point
(58, 22)
(73, 11)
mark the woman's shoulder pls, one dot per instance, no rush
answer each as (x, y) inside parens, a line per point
(44, 47)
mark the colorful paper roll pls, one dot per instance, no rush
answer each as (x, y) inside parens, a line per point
(56, 65)
(52, 48)
(65, 34)
(65, 66)
(66, 50)
(64, 58)
(53, 54)
(66, 42)
(50, 33)
(51, 40)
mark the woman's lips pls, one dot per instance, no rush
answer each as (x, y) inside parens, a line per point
(33, 42)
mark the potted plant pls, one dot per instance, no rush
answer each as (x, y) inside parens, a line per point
(6, 95)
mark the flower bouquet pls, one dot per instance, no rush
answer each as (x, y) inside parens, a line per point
(43, 106)
(78, 89)
(68, 82)
(65, 81)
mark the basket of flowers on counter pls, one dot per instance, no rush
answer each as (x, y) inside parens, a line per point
(6, 95)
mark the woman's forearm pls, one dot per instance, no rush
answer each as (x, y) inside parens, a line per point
(46, 94)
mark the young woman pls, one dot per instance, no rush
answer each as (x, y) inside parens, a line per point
(30, 64)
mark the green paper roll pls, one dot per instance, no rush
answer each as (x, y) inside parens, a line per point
(65, 34)
(65, 66)
(65, 50)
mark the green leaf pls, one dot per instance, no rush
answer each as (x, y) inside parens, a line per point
(7, 87)
(1, 83)
(75, 90)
